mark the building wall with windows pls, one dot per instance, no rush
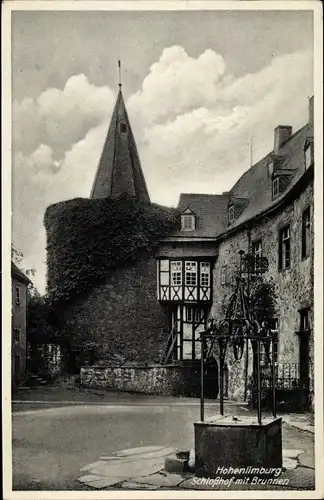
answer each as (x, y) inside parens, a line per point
(19, 283)
(185, 261)
(291, 267)
(269, 213)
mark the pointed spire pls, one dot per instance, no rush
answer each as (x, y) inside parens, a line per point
(119, 170)
(119, 74)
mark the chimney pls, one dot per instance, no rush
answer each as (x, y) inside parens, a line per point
(311, 111)
(281, 134)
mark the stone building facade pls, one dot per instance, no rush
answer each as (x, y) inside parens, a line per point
(294, 285)
(268, 213)
(19, 284)
(154, 309)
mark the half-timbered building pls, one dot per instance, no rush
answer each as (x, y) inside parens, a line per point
(189, 279)
(185, 263)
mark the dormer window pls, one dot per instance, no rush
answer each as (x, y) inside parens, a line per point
(123, 128)
(275, 163)
(236, 207)
(188, 220)
(275, 187)
(309, 153)
(280, 180)
(231, 214)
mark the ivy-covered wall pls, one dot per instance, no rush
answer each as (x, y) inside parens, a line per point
(122, 316)
(102, 275)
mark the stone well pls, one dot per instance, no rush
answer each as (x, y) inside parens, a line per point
(239, 442)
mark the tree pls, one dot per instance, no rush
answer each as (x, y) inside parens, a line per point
(254, 298)
(262, 303)
(17, 257)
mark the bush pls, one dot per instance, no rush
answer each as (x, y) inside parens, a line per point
(252, 396)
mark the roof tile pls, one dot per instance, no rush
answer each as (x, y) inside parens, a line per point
(119, 170)
(253, 189)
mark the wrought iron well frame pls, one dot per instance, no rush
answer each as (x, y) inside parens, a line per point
(213, 333)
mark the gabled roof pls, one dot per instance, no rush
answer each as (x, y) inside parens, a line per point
(284, 171)
(255, 184)
(253, 190)
(210, 211)
(18, 274)
(187, 211)
(119, 170)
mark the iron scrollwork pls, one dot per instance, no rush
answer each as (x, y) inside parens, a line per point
(240, 325)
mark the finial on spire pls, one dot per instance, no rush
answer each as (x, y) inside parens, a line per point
(119, 73)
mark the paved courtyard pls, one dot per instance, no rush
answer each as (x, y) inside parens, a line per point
(56, 442)
(143, 468)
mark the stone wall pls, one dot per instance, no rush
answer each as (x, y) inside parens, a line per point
(294, 286)
(123, 316)
(167, 380)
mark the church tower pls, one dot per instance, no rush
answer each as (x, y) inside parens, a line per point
(119, 170)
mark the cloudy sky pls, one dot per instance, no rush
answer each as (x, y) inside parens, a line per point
(197, 86)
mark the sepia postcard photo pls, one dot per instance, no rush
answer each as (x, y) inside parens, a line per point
(162, 222)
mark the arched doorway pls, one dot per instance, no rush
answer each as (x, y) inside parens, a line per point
(211, 386)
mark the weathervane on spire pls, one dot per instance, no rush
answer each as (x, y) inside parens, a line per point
(119, 73)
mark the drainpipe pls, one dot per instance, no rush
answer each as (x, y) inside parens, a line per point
(246, 367)
(246, 359)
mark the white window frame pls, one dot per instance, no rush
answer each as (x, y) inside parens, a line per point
(188, 222)
(176, 274)
(205, 274)
(189, 314)
(231, 214)
(190, 274)
(18, 295)
(306, 227)
(284, 243)
(257, 253)
(257, 248)
(275, 187)
(304, 315)
(164, 265)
